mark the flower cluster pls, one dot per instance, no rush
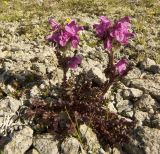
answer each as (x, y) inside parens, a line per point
(64, 34)
(109, 33)
(119, 32)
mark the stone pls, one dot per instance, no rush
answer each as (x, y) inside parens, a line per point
(132, 75)
(140, 117)
(40, 67)
(46, 144)
(10, 103)
(72, 146)
(124, 106)
(111, 107)
(57, 77)
(35, 92)
(118, 96)
(147, 63)
(146, 104)
(20, 142)
(91, 139)
(14, 104)
(132, 93)
(151, 140)
(97, 72)
(15, 48)
(94, 70)
(151, 86)
(4, 105)
(155, 121)
(150, 65)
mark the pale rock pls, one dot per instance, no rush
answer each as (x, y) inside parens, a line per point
(14, 104)
(94, 69)
(46, 144)
(10, 103)
(128, 114)
(124, 106)
(35, 92)
(151, 86)
(146, 104)
(147, 63)
(57, 77)
(15, 48)
(140, 117)
(4, 104)
(20, 143)
(150, 137)
(132, 93)
(98, 73)
(72, 146)
(40, 67)
(111, 107)
(10, 89)
(150, 65)
(91, 138)
(132, 75)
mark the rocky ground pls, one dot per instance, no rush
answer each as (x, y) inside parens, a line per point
(28, 63)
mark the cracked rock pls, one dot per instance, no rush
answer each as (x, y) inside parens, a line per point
(146, 104)
(91, 139)
(46, 144)
(132, 93)
(20, 142)
(72, 146)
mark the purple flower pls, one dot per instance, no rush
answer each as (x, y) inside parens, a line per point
(54, 37)
(102, 27)
(63, 38)
(74, 61)
(121, 66)
(72, 29)
(63, 35)
(120, 31)
(54, 24)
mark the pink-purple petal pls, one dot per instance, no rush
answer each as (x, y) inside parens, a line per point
(102, 27)
(74, 61)
(108, 43)
(75, 41)
(121, 66)
(54, 24)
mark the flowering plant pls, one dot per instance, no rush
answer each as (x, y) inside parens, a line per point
(82, 99)
(114, 35)
(62, 35)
